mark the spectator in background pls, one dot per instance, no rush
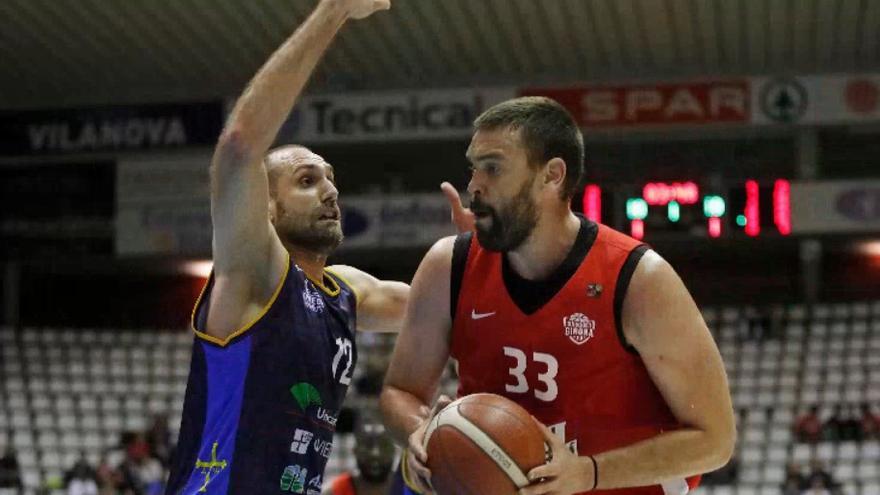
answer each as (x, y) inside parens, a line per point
(107, 477)
(840, 426)
(869, 425)
(10, 476)
(816, 488)
(819, 478)
(374, 452)
(808, 427)
(81, 479)
(850, 426)
(794, 480)
(142, 474)
(159, 439)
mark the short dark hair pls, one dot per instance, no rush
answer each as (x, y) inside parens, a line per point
(548, 131)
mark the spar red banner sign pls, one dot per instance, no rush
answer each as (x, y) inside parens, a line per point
(687, 103)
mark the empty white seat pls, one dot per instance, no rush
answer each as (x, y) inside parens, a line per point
(868, 471)
(48, 440)
(752, 455)
(844, 471)
(802, 453)
(777, 453)
(825, 451)
(870, 487)
(847, 452)
(774, 473)
(870, 452)
(23, 440)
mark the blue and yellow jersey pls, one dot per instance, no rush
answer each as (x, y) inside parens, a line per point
(261, 406)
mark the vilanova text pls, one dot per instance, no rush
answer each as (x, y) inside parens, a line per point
(122, 134)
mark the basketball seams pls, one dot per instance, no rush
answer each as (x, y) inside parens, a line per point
(452, 416)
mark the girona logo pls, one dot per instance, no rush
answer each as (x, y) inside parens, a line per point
(578, 327)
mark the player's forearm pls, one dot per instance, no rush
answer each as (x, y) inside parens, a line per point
(402, 411)
(269, 97)
(669, 456)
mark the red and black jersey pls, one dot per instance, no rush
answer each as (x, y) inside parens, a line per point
(556, 347)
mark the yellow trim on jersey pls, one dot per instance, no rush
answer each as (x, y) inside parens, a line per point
(320, 284)
(224, 342)
(404, 472)
(357, 297)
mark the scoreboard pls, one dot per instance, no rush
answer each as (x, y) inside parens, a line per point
(665, 210)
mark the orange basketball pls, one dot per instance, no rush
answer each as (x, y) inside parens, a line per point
(482, 443)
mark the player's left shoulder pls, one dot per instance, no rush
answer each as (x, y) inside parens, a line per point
(657, 301)
(358, 280)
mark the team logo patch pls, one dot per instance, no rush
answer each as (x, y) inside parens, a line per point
(305, 394)
(578, 327)
(312, 299)
(293, 479)
(301, 441)
(211, 467)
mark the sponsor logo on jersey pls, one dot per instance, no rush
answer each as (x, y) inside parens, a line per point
(305, 394)
(323, 447)
(578, 327)
(293, 479)
(312, 299)
(316, 482)
(210, 468)
(594, 290)
(301, 441)
(480, 316)
(324, 415)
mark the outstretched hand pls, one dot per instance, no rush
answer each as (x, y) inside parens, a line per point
(359, 9)
(462, 217)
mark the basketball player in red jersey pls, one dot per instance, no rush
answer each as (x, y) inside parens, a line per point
(588, 329)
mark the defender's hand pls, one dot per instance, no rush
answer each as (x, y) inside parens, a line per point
(462, 217)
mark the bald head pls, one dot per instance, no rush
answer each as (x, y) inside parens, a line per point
(285, 160)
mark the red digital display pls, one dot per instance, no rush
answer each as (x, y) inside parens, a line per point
(637, 229)
(593, 203)
(715, 227)
(782, 206)
(660, 194)
(752, 211)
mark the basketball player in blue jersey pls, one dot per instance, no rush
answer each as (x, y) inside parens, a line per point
(274, 350)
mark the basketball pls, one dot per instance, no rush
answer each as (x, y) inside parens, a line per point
(482, 443)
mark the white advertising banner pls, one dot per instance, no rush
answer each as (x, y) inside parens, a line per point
(835, 207)
(389, 116)
(395, 220)
(816, 100)
(163, 206)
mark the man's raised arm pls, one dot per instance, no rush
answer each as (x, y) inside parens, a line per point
(249, 259)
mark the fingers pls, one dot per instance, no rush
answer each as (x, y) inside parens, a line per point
(416, 444)
(548, 470)
(540, 488)
(451, 195)
(382, 4)
(441, 404)
(552, 440)
(419, 474)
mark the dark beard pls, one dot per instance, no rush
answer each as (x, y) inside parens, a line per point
(317, 239)
(511, 227)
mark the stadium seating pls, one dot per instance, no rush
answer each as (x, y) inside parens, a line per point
(65, 391)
